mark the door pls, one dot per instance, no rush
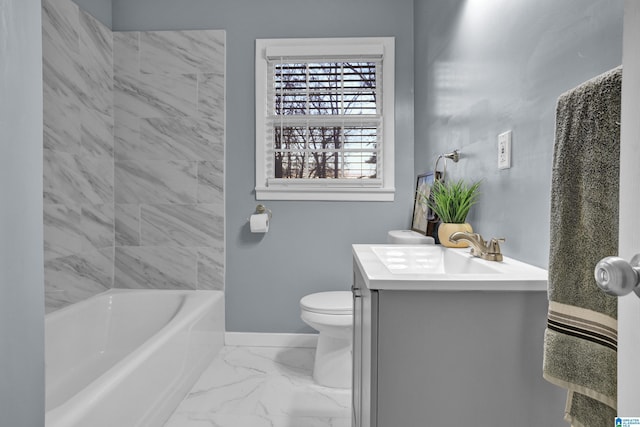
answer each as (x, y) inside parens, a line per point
(629, 306)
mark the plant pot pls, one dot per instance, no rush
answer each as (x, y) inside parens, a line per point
(447, 229)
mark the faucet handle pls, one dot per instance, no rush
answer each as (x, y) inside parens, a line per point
(494, 245)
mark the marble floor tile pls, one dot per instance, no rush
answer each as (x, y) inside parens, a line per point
(262, 386)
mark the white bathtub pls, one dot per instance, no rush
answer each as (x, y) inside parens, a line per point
(126, 358)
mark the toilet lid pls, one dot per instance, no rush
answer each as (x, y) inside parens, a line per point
(338, 302)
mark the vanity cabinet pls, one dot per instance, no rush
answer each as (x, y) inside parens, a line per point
(438, 358)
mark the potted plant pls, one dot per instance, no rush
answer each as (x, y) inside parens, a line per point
(451, 203)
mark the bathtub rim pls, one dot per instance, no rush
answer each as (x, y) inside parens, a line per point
(192, 309)
(116, 291)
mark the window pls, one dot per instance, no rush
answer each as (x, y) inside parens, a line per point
(325, 119)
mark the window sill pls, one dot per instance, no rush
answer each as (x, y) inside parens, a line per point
(326, 194)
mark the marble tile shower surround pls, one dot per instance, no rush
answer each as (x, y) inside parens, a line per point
(133, 157)
(78, 154)
(169, 159)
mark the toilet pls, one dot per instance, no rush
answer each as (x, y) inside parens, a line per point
(331, 314)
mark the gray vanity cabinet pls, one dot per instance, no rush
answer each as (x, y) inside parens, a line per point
(450, 358)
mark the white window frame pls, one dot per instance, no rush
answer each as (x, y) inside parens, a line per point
(268, 188)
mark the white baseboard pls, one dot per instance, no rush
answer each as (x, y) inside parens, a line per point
(258, 339)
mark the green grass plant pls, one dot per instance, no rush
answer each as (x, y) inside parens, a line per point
(452, 201)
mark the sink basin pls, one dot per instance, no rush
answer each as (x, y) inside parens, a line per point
(429, 260)
(434, 267)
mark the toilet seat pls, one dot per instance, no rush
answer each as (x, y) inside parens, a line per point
(331, 303)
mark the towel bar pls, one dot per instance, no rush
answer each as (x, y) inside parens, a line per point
(617, 277)
(454, 155)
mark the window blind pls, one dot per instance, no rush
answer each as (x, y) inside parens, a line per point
(324, 119)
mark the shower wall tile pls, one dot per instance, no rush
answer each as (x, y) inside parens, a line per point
(96, 133)
(126, 52)
(211, 268)
(61, 76)
(126, 135)
(65, 180)
(80, 276)
(72, 179)
(60, 45)
(63, 72)
(62, 130)
(211, 95)
(181, 225)
(134, 157)
(155, 181)
(60, 22)
(97, 226)
(55, 299)
(70, 230)
(211, 182)
(78, 154)
(168, 138)
(63, 61)
(63, 234)
(169, 159)
(97, 184)
(182, 52)
(127, 226)
(154, 95)
(96, 47)
(186, 138)
(60, 38)
(155, 267)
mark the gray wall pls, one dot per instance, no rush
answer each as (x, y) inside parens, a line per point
(99, 9)
(474, 79)
(308, 246)
(486, 67)
(21, 272)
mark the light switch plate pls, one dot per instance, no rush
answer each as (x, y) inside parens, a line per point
(504, 150)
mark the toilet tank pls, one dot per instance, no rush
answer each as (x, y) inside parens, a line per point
(408, 237)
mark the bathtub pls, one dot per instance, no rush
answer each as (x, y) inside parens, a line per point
(128, 357)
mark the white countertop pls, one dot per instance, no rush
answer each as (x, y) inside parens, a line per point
(507, 275)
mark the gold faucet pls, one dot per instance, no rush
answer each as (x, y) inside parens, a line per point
(479, 247)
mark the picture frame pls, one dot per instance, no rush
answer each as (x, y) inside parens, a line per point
(424, 219)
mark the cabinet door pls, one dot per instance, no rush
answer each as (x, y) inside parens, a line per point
(365, 354)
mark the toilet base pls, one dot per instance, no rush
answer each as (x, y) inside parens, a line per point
(333, 365)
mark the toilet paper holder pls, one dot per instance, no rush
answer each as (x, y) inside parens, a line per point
(259, 220)
(260, 209)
